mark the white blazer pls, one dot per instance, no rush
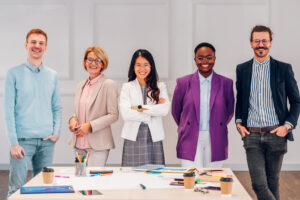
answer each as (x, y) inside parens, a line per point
(131, 95)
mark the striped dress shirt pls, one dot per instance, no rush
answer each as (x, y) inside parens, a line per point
(261, 109)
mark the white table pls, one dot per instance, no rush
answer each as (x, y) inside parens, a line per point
(238, 192)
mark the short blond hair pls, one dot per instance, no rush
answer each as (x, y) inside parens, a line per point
(99, 52)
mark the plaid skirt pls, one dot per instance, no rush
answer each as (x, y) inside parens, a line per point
(143, 150)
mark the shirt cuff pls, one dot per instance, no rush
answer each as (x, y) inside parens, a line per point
(238, 121)
(287, 122)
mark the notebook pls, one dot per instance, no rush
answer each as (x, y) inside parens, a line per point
(47, 189)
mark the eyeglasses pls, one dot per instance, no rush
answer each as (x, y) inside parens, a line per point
(91, 60)
(208, 58)
(264, 41)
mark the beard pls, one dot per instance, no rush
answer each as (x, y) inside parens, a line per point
(259, 53)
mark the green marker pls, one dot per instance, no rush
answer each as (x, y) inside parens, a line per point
(143, 186)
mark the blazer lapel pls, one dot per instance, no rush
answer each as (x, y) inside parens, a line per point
(195, 88)
(215, 86)
(248, 77)
(272, 78)
(97, 89)
(78, 95)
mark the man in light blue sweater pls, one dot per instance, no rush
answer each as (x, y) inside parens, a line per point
(32, 112)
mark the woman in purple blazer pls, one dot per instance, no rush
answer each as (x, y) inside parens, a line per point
(202, 107)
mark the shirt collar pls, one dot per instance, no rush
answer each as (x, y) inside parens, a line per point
(203, 79)
(256, 62)
(94, 81)
(34, 68)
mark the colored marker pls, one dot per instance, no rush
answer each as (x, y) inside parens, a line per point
(95, 174)
(143, 186)
(62, 176)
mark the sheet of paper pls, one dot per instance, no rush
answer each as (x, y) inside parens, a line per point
(115, 181)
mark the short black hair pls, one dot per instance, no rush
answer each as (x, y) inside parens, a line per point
(261, 28)
(205, 44)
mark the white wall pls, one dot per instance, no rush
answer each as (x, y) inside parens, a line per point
(170, 29)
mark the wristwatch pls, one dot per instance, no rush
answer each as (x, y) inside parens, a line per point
(288, 127)
(140, 106)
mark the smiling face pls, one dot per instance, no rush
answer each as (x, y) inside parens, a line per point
(36, 46)
(93, 65)
(261, 44)
(205, 60)
(142, 68)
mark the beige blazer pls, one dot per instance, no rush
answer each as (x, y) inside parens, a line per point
(101, 112)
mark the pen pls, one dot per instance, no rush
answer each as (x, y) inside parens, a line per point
(143, 186)
(153, 172)
(78, 156)
(87, 157)
(83, 158)
(98, 174)
(62, 176)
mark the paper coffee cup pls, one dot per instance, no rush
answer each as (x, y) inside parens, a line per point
(189, 180)
(48, 174)
(226, 186)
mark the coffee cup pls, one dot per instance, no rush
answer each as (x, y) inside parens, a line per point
(189, 181)
(48, 174)
(226, 186)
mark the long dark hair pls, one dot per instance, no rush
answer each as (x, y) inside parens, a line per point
(151, 79)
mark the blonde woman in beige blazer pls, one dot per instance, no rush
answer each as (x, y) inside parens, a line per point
(96, 108)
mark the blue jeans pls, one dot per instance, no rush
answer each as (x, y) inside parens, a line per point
(39, 152)
(264, 156)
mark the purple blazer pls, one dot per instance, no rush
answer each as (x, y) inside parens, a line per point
(186, 113)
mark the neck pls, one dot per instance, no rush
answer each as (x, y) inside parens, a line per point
(142, 82)
(261, 59)
(92, 76)
(206, 74)
(35, 62)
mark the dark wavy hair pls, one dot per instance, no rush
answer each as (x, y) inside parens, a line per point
(151, 79)
(261, 28)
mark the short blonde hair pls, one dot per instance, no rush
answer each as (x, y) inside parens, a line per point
(99, 52)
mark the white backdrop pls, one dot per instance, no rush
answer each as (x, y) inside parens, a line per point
(170, 29)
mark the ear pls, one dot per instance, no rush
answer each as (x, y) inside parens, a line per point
(251, 44)
(46, 47)
(25, 44)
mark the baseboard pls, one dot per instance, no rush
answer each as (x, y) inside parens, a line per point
(244, 167)
(234, 167)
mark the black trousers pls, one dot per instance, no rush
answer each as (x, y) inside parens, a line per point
(264, 157)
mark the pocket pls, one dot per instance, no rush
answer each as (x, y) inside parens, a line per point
(278, 144)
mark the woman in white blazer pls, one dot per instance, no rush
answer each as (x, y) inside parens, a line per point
(143, 102)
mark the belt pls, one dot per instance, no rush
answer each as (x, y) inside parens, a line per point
(261, 129)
